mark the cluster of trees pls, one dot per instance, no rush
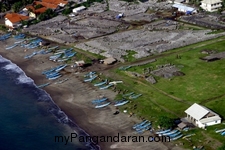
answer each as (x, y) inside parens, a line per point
(20, 4)
(89, 2)
(4, 6)
(66, 11)
(165, 122)
(49, 13)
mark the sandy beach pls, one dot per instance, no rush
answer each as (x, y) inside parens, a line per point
(74, 98)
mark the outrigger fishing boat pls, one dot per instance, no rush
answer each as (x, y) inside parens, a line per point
(101, 83)
(163, 131)
(10, 47)
(90, 74)
(43, 85)
(140, 124)
(90, 79)
(105, 87)
(121, 102)
(128, 94)
(99, 100)
(135, 96)
(102, 105)
(54, 77)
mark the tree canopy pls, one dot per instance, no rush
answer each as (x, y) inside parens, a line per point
(165, 122)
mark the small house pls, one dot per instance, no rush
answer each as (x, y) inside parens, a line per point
(13, 20)
(80, 63)
(201, 116)
(109, 61)
(79, 9)
(211, 5)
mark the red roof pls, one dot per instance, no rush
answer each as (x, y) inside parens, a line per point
(56, 2)
(47, 5)
(14, 17)
(37, 11)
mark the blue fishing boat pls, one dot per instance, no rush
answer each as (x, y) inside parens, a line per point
(128, 94)
(54, 57)
(10, 47)
(60, 68)
(177, 137)
(135, 96)
(90, 74)
(163, 131)
(90, 79)
(140, 124)
(31, 55)
(52, 48)
(54, 77)
(120, 103)
(99, 100)
(59, 52)
(144, 129)
(52, 74)
(170, 133)
(101, 83)
(223, 133)
(143, 126)
(62, 60)
(19, 36)
(106, 87)
(102, 105)
(43, 85)
(174, 135)
(18, 42)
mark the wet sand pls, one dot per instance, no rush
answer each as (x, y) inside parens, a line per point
(74, 98)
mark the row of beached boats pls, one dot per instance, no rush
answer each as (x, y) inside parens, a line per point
(54, 73)
(65, 54)
(103, 102)
(142, 126)
(28, 43)
(5, 36)
(131, 95)
(172, 134)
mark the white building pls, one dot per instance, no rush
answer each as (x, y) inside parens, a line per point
(202, 116)
(78, 9)
(13, 20)
(211, 5)
(185, 9)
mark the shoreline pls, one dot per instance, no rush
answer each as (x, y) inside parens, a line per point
(72, 98)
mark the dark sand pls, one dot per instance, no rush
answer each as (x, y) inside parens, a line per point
(74, 98)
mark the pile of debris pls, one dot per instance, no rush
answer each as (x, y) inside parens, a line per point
(167, 71)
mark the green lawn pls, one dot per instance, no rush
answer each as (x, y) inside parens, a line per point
(202, 79)
(202, 83)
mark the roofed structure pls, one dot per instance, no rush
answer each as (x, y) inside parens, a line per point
(185, 9)
(61, 3)
(202, 116)
(47, 5)
(13, 19)
(211, 5)
(109, 61)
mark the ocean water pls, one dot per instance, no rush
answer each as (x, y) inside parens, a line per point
(29, 119)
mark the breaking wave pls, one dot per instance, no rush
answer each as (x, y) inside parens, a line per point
(17, 74)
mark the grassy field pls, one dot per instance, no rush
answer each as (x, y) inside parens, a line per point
(202, 80)
(202, 83)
